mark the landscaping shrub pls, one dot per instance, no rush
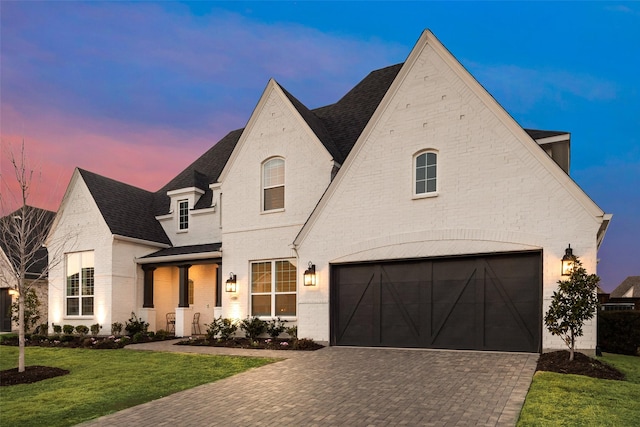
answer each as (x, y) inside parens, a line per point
(57, 329)
(161, 334)
(138, 337)
(135, 325)
(95, 329)
(116, 328)
(306, 344)
(253, 327)
(42, 329)
(68, 329)
(275, 327)
(221, 329)
(619, 331)
(292, 331)
(82, 330)
(9, 339)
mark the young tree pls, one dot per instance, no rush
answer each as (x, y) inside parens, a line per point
(22, 237)
(572, 304)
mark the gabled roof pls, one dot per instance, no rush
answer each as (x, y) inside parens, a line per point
(202, 172)
(40, 221)
(346, 119)
(629, 288)
(338, 121)
(315, 124)
(127, 210)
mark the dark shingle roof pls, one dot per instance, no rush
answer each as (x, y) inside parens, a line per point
(316, 125)
(127, 210)
(346, 119)
(631, 282)
(186, 250)
(202, 172)
(38, 224)
(539, 134)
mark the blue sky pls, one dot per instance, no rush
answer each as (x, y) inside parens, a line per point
(137, 91)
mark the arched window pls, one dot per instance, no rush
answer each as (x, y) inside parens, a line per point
(425, 167)
(273, 184)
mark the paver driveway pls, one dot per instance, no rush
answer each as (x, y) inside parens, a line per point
(352, 387)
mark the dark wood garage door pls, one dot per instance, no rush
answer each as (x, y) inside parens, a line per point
(482, 302)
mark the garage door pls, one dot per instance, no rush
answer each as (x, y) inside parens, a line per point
(482, 302)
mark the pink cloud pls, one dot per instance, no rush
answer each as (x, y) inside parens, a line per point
(56, 144)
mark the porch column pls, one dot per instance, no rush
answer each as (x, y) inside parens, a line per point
(183, 293)
(148, 286)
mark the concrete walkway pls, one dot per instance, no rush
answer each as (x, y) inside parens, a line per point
(342, 386)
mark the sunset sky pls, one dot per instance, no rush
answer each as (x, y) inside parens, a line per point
(137, 91)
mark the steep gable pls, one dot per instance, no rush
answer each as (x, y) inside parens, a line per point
(467, 99)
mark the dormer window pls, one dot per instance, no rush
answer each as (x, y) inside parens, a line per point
(273, 184)
(183, 214)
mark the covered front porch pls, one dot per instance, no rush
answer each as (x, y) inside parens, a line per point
(182, 288)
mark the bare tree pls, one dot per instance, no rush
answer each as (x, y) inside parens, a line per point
(22, 236)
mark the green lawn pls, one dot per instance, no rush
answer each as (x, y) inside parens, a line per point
(105, 381)
(575, 400)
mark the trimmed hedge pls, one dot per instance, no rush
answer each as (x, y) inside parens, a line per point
(619, 331)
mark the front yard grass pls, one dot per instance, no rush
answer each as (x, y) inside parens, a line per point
(104, 381)
(576, 400)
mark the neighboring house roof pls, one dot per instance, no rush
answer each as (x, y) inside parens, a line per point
(127, 210)
(40, 223)
(629, 288)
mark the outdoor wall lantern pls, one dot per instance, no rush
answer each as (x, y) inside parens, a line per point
(310, 275)
(567, 261)
(231, 283)
(14, 292)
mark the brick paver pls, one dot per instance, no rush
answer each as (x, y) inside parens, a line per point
(341, 386)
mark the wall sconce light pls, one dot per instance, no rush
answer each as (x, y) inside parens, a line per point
(568, 261)
(231, 283)
(310, 275)
(14, 292)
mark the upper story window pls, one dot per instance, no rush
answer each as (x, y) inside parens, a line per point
(425, 177)
(183, 214)
(273, 184)
(80, 283)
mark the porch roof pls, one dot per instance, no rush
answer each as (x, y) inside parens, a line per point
(209, 251)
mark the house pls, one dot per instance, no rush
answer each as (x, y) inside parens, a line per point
(626, 296)
(412, 212)
(36, 265)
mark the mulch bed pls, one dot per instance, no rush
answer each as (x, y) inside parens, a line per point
(558, 361)
(30, 375)
(259, 344)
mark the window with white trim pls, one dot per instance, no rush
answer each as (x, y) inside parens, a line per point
(273, 184)
(273, 288)
(80, 283)
(425, 173)
(183, 214)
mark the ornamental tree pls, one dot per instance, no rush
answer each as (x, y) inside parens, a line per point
(24, 261)
(572, 304)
